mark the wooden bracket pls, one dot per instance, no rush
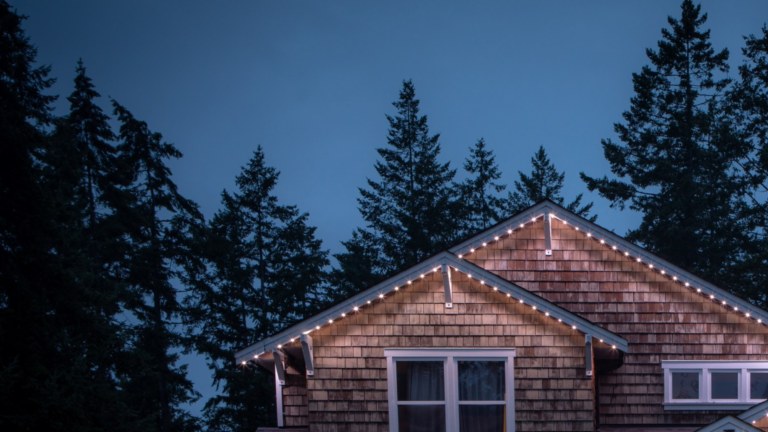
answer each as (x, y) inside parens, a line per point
(279, 366)
(588, 362)
(309, 357)
(547, 233)
(279, 383)
(446, 269)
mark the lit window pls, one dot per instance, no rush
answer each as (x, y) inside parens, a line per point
(453, 390)
(701, 385)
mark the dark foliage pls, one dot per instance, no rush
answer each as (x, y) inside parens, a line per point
(544, 182)
(409, 211)
(677, 158)
(267, 270)
(480, 203)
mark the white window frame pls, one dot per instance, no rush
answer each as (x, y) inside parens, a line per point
(705, 368)
(450, 358)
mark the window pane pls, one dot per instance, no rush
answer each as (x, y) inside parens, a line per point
(685, 385)
(758, 385)
(421, 418)
(420, 381)
(481, 418)
(481, 380)
(725, 385)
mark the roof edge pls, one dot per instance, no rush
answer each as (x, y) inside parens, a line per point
(614, 241)
(379, 291)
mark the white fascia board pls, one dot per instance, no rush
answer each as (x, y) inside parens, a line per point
(541, 304)
(756, 412)
(346, 307)
(611, 239)
(390, 285)
(729, 423)
(503, 228)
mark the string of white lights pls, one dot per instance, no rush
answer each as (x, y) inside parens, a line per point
(507, 231)
(670, 274)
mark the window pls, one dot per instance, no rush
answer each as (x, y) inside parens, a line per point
(715, 385)
(450, 390)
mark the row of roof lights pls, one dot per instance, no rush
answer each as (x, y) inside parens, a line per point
(381, 296)
(546, 313)
(354, 309)
(638, 259)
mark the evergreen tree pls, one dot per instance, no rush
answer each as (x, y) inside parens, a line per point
(359, 266)
(544, 182)
(480, 201)
(89, 125)
(39, 370)
(750, 113)
(409, 211)
(76, 172)
(676, 160)
(267, 270)
(158, 225)
(750, 106)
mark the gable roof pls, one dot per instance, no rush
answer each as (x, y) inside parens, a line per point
(755, 413)
(729, 423)
(548, 210)
(545, 210)
(441, 262)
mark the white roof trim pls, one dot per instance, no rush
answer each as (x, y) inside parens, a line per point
(615, 242)
(539, 303)
(756, 412)
(433, 264)
(731, 423)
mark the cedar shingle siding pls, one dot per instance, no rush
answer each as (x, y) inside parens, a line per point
(349, 389)
(661, 319)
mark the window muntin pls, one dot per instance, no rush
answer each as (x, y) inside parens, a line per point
(475, 393)
(692, 385)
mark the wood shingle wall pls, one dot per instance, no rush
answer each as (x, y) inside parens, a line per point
(661, 319)
(349, 389)
(295, 401)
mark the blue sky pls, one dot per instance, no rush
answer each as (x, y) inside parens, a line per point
(311, 81)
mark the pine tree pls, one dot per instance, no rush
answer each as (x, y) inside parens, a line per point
(749, 105)
(676, 160)
(544, 182)
(77, 165)
(409, 211)
(267, 270)
(36, 370)
(158, 225)
(359, 266)
(480, 201)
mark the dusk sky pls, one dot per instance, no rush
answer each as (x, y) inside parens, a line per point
(311, 81)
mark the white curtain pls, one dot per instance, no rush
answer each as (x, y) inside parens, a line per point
(421, 381)
(481, 381)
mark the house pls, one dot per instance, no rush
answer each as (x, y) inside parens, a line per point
(545, 322)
